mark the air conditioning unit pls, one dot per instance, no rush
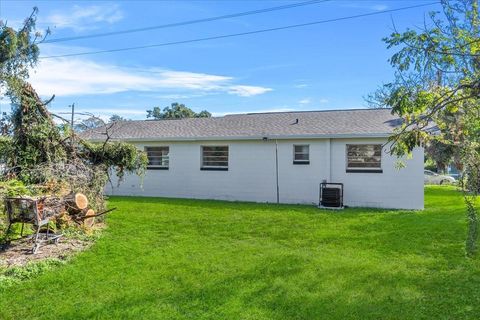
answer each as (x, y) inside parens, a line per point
(331, 195)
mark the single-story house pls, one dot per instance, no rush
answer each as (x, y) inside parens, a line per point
(272, 157)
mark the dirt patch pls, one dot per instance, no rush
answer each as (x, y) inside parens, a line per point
(19, 252)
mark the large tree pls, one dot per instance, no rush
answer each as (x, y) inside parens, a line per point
(436, 91)
(35, 139)
(176, 111)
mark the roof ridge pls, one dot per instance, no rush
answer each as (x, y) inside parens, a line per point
(307, 111)
(266, 112)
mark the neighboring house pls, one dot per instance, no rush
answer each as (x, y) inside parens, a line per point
(270, 157)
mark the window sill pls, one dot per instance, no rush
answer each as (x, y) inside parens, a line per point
(213, 169)
(301, 162)
(364, 171)
(157, 168)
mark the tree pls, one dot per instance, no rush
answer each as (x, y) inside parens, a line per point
(436, 91)
(18, 51)
(440, 153)
(5, 124)
(204, 114)
(116, 118)
(443, 153)
(36, 141)
(176, 111)
(89, 123)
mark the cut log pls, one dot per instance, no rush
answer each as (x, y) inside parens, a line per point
(89, 219)
(77, 201)
(81, 201)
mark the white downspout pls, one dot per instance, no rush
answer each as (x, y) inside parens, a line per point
(276, 171)
(329, 160)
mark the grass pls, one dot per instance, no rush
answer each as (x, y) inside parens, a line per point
(194, 259)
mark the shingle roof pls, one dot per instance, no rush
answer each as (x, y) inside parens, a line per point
(333, 123)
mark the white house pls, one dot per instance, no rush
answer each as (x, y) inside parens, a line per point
(273, 157)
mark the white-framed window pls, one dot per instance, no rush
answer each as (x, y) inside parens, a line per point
(158, 157)
(214, 158)
(301, 154)
(364, 158)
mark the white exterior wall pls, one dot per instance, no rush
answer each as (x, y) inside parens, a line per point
(251, 175)
(393, 188)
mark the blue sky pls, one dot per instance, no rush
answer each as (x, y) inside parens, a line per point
(326, 66)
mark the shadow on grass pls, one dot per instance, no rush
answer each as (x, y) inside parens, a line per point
(291, 287)
(201, 259)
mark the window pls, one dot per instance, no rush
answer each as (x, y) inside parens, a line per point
(364, 158)
(214, 158)
(157, 157)
(301, 154)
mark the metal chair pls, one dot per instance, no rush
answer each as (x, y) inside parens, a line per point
(36, 211)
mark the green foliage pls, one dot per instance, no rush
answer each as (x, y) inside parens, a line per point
(471, 187)
(441, 154)
(47, 157)
(36, 139)
(116, 118)
(13, 188)
(18, 50)
(176, 111)
(5, 124)
(6, 148)
(436, 92)
(198, 259)
(121, 156)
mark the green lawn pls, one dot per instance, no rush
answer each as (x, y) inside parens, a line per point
(193, 259)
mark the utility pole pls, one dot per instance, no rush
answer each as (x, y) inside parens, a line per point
(71, 126)
(73, 115)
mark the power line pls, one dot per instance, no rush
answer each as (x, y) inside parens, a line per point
(184, 23)
(238, 34)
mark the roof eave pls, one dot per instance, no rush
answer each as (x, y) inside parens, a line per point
(263, 137)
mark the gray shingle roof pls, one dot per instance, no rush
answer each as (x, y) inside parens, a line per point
(334, 123)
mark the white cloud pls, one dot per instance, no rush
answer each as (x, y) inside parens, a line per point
(191, 80)
(305, 101)
(379, 7)
(370, 5)
(301, 85)
(76, 76)
(323, 100)
(85, 18)
(180, 96)
(247, 91)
